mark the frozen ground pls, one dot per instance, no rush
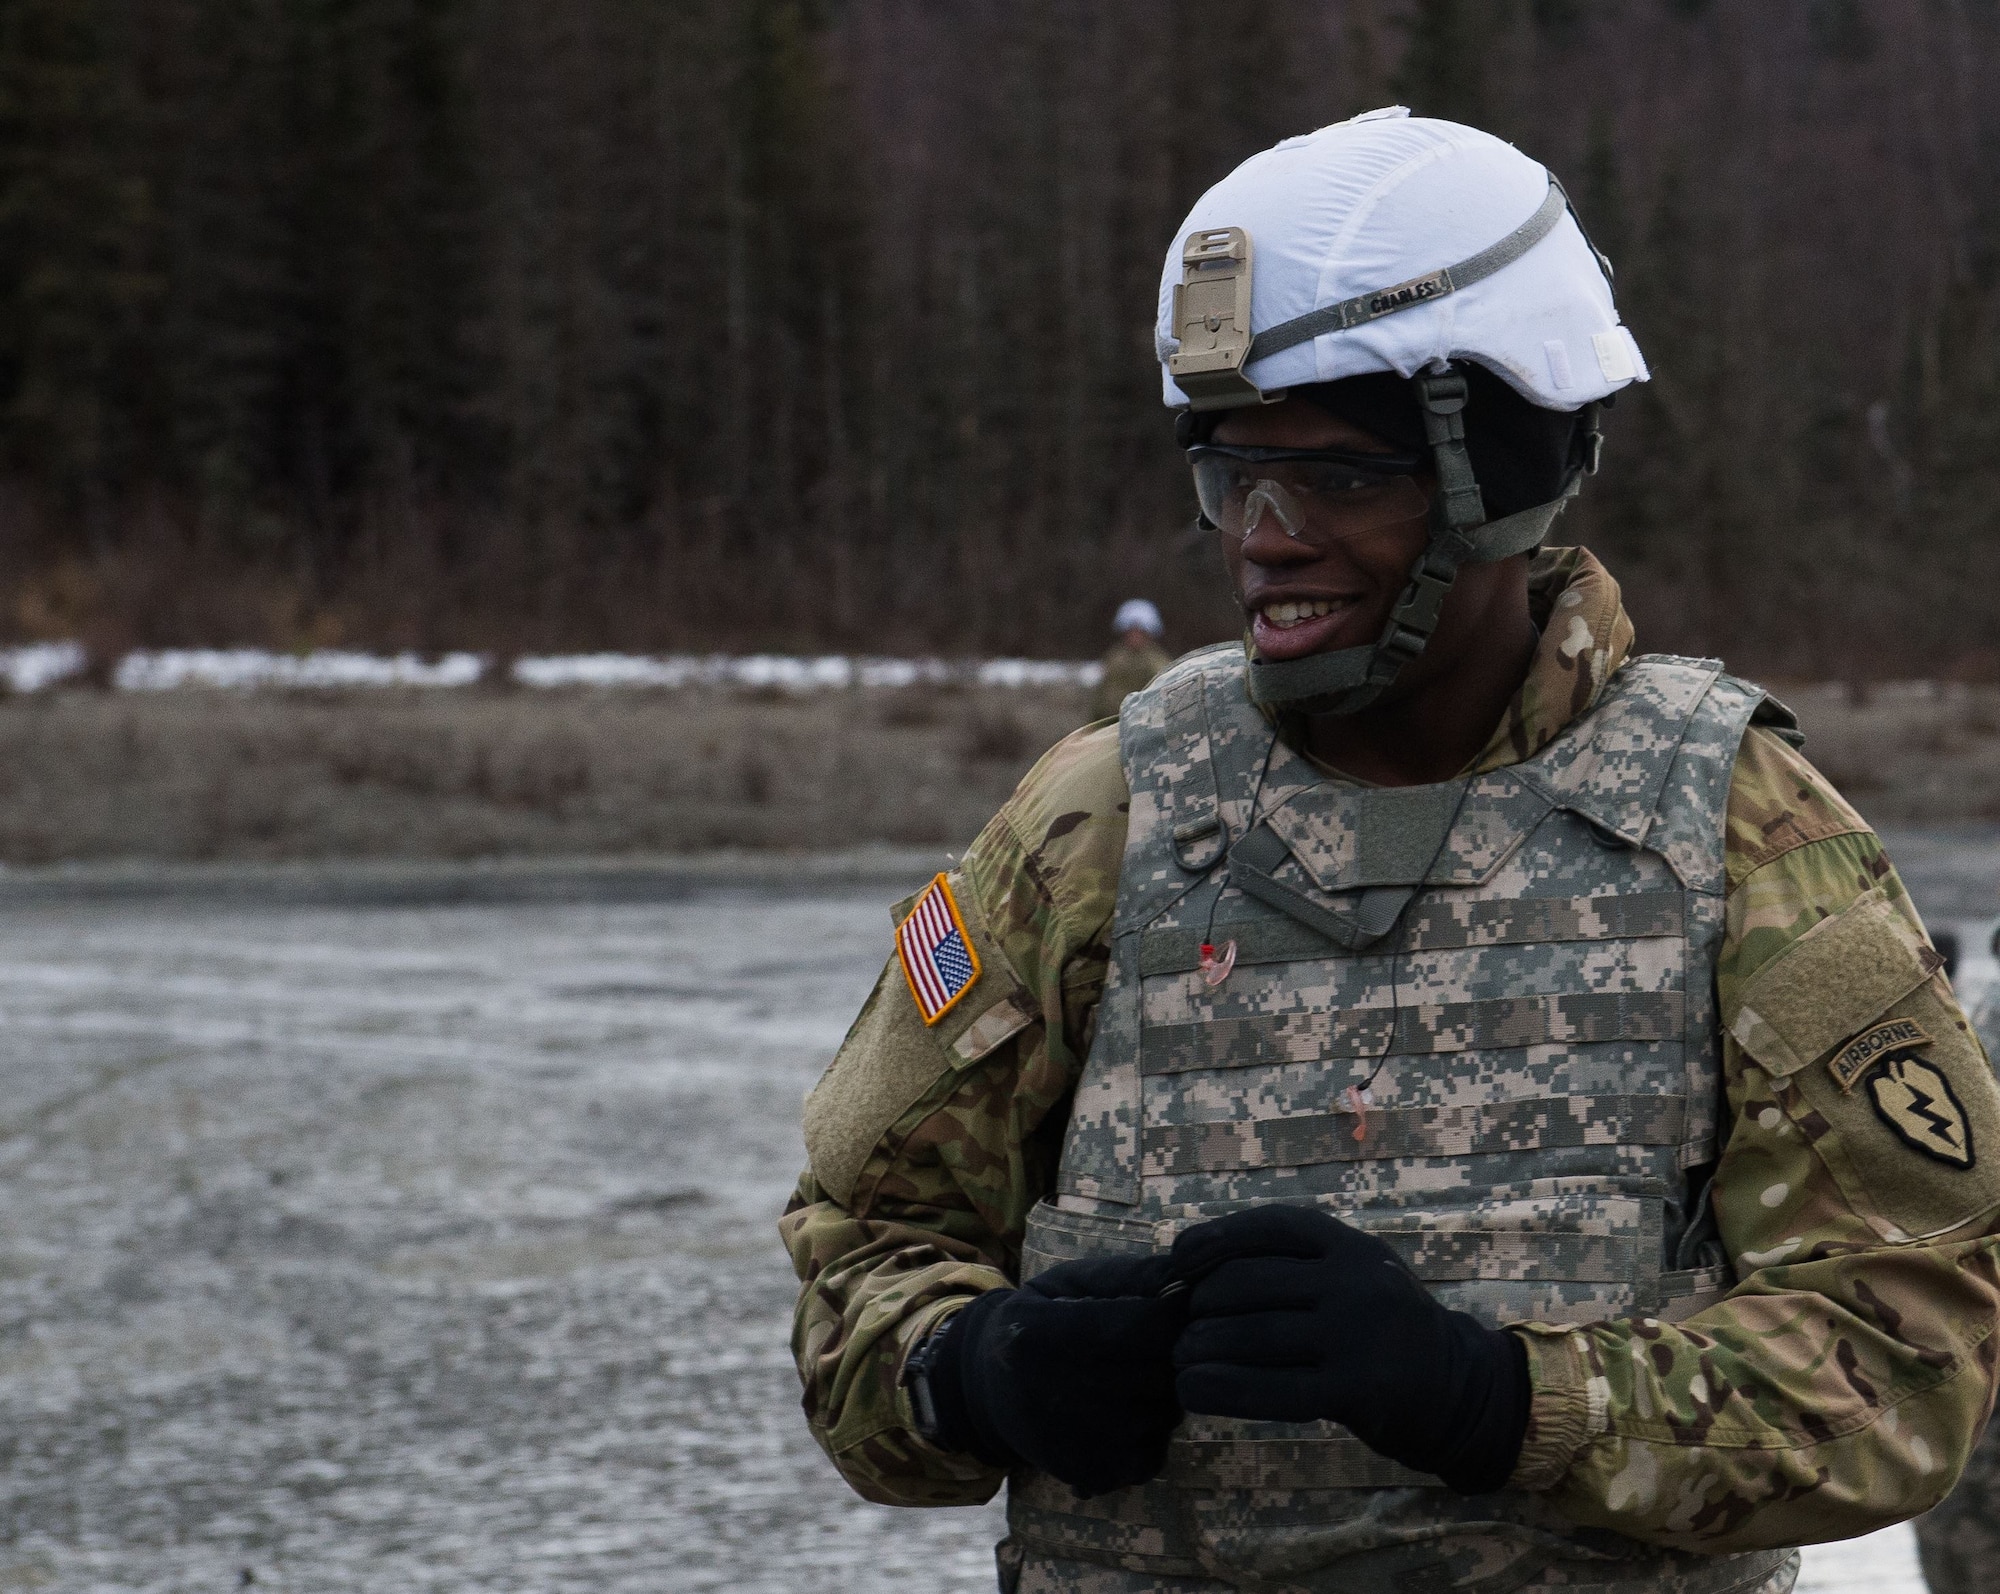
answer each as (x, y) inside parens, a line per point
(1882, 1563)
(405, 1248)
(429, 1248)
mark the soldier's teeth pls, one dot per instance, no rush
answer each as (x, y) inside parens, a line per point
(1285, 615)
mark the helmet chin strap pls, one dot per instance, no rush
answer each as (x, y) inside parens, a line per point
(1350, 680)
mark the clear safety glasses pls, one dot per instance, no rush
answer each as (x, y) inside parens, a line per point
(1315, 496)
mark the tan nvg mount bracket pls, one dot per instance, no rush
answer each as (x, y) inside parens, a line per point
(1212, 321)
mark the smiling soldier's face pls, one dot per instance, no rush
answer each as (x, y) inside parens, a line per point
(1305, 595)
(1302, 595)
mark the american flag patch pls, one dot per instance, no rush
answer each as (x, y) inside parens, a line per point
(937, 954)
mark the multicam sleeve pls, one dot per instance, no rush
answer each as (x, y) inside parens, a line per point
(1843, 1382)
(930, 1143)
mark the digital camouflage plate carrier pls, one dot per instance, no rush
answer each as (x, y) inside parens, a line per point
(1476, 1019)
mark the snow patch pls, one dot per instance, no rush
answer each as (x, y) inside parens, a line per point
(787, 673)
(36, 666)
(242, 669)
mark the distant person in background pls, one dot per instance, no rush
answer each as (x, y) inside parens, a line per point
(1135, 658)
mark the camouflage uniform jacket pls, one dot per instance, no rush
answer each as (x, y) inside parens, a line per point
(1839, 1387)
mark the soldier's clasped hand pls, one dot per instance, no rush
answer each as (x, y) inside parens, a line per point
(1294, 1316)
(1071, 1374)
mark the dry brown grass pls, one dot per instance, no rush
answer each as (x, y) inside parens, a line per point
(206, 774)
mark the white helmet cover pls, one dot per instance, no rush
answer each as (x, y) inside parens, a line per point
(1139, 614)
(1388, 197)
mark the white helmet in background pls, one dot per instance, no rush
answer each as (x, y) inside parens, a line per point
(1138, 614)
(1393, 243)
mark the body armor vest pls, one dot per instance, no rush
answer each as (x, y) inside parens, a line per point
(1475, 1019)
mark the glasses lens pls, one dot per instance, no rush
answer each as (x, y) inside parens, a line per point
(1315, 501)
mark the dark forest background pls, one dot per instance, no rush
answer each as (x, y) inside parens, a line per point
(665, 324)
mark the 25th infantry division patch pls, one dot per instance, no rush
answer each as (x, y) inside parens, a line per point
(1915, 1100)
(937, 954)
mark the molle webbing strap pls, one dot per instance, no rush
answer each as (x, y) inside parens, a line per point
(1193, 792)
(1494, 1023)
(1338, 1461)
(1307, 1140)
(1439, 925)
(1367, 307)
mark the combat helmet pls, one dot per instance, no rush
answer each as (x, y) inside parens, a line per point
(1395, 244)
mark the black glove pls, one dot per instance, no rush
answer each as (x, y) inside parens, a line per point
(1072, 1373)
(1294, 1316)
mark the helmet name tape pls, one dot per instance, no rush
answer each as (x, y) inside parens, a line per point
(1415, 291)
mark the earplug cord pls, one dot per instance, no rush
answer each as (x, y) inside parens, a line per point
(1356, 1095)
(1222, 884)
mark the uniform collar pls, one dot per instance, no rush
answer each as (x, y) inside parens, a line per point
(1586, 639)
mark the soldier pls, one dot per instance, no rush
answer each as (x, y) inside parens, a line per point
(1135, 658)
(1432, 1099)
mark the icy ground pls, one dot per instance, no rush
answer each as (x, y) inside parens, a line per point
(422, 1249)
(430, 1249)
(1882, 1563)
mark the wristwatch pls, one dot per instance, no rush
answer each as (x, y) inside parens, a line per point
(918, 1370)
